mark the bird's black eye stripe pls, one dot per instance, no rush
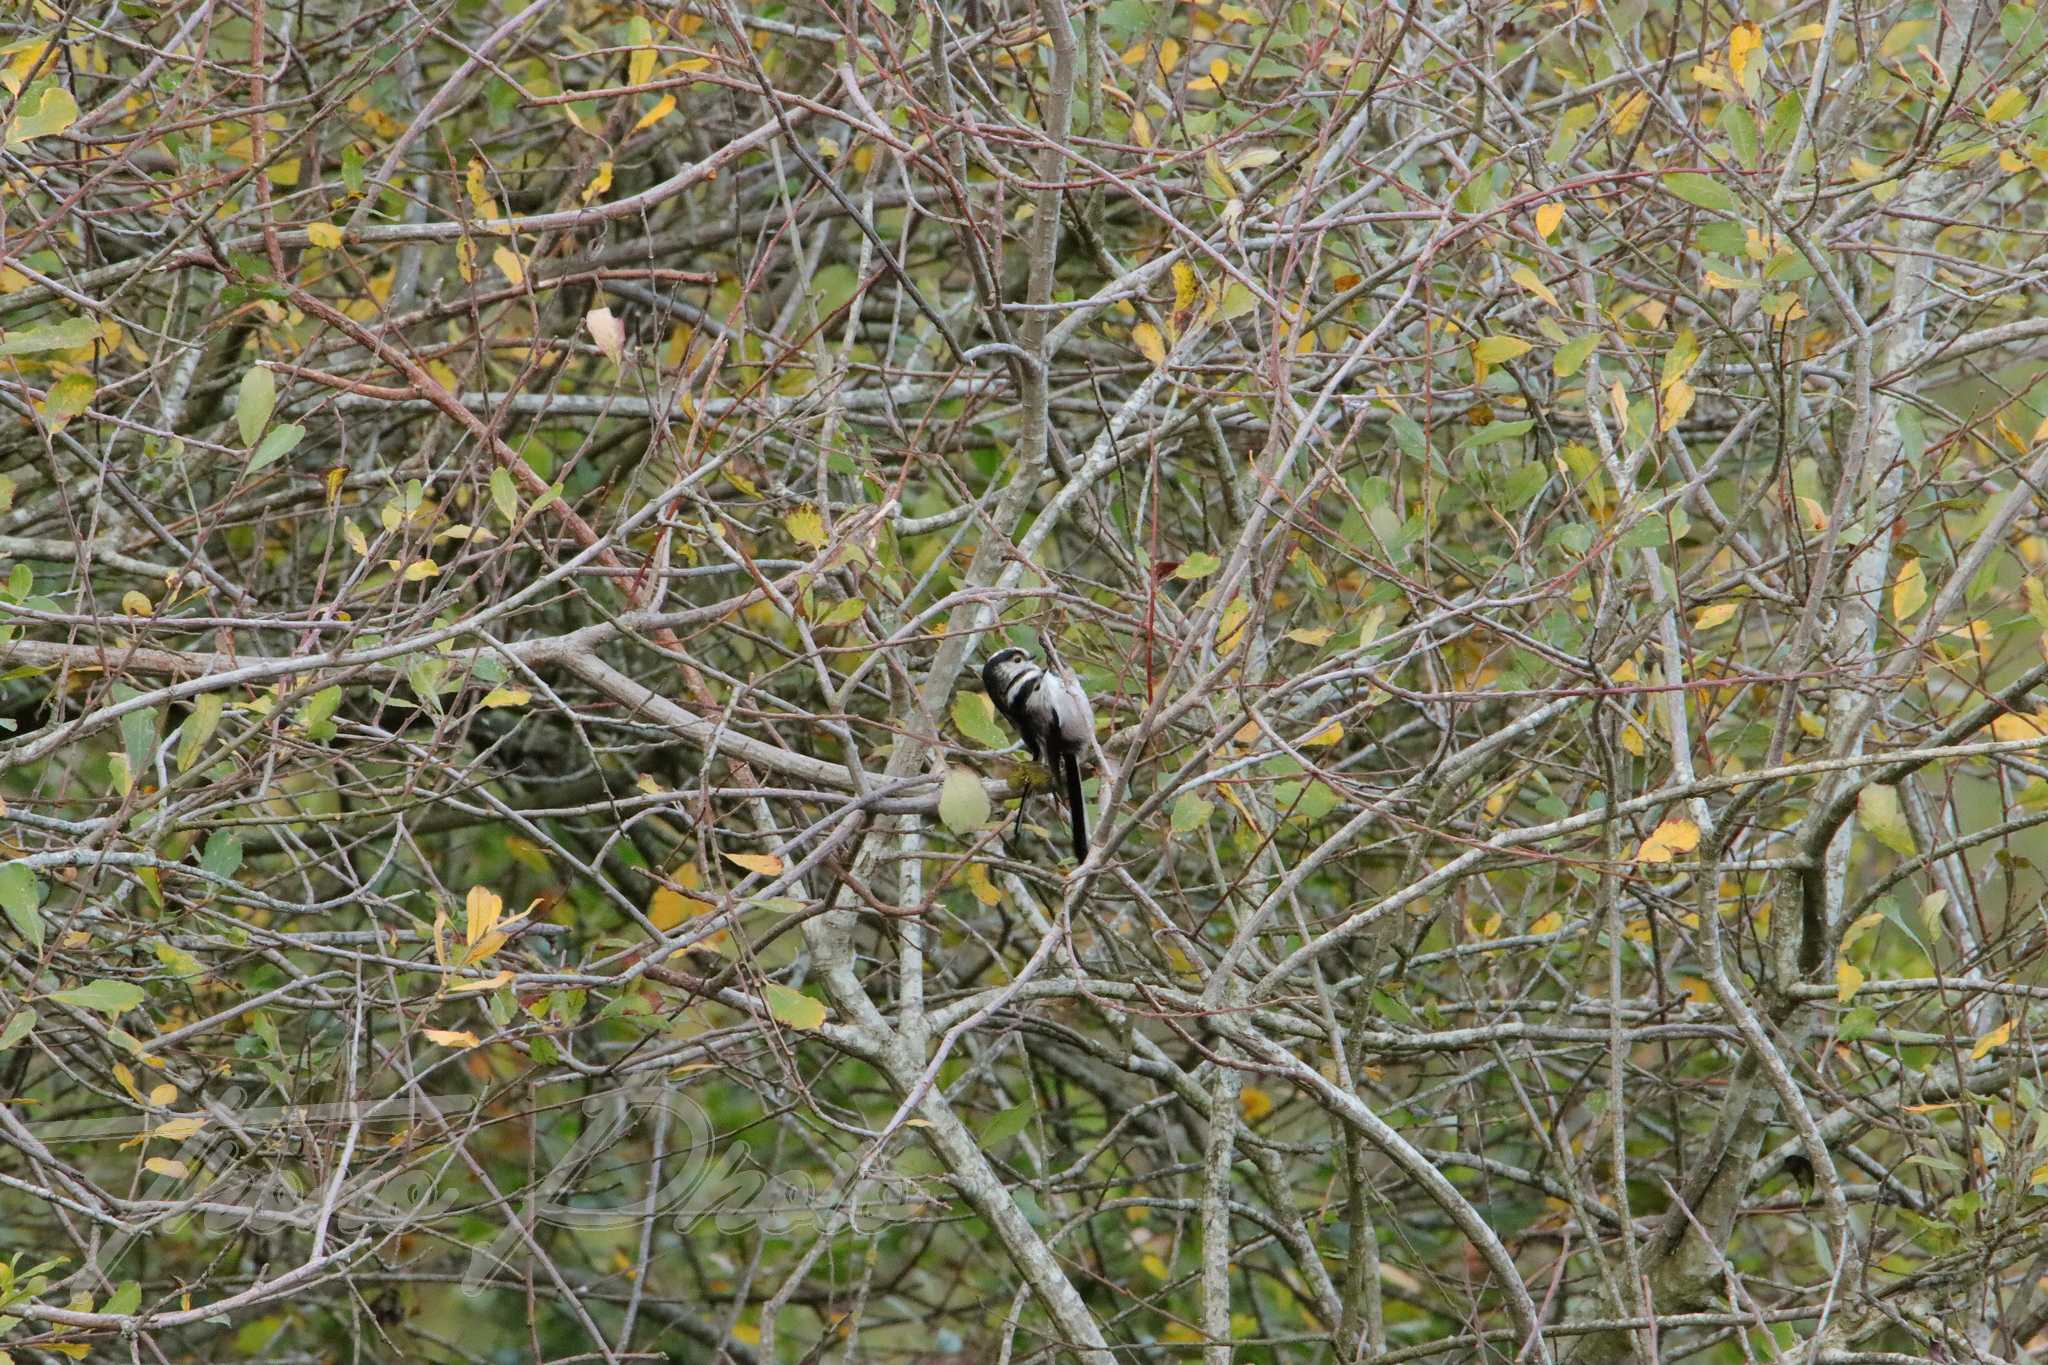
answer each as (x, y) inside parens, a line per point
(1021, 690)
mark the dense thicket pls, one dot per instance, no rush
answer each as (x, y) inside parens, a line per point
(506, 854)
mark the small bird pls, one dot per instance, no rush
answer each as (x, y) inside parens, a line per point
(1052, 713)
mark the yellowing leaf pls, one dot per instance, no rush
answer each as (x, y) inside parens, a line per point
(421, 569)
(484, 907)
(762, 864)
(1996, 1038)
(2010, 104)
(794, 1009)
(324, 235)
(1668, 840)
(1328, 735)
(806, 527)
(2014, 726)
(1548, 216)
(1848, 980)
(1909, 590)
(1628, 112)
(1548, 922)
(978, 882)
(1149, 343)
(489, 983)
(1315, 639)
(1743, 41)
(135, 604)
(1719, 614)
(662, 109)
(1678, 396)
(1526, 278)
(451, 1037)
(1878, 810)
(963, 801)
(507, 696)
(1494, 350)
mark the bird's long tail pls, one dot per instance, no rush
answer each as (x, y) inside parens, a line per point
(1072, 764)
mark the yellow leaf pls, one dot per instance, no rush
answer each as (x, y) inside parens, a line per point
(2014, 726)
(484, 907)
(1716, 280)
(1628, 112)
(163, 1165)
(1698, 990)
(1493, 350)
(2010, 104)
(135, 604)
(1154, 1267)
(177, 1130)
(1720, 614)
(662, 109)
(324, 235)
(1254, 1103)
(763, 864)
(1996, 1038)
(1526, 277)
(1548, 216)
(1315, 638)
(1328, 735)
(507, 696)
(1169, 56)
(1678, 397)
(1909, 590)
(421, 569)
(1743, 41)
(806, 527)
(1230, 629)
(1149, 343)
(1668, 840)
(447, 1037)
(479, 189)
(668, 907)
(1848, 980)
(1548, 922)
(1633, 740)
(599, 183)
(489, 983)
(353, 534)
(978, 882)
(508, 262)
(164, 1096)
(1186, 286)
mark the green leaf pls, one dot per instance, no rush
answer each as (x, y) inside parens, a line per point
(199, 727)
(125, 1300)
(18, 1027)
(794, 1009)
(106, 997)
(1741, 131)
(1408, 435)
(1701, 191)
(504, 494)
(1499, 431)
(279, 443)
(1191, 812)
(256, 400)
(317, 715)
(1200, 564)
(1007, 1125)
(963, 801)
(21, 896)
(974, 715)
(1571, 356)
(68, 335)
(223, 855)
